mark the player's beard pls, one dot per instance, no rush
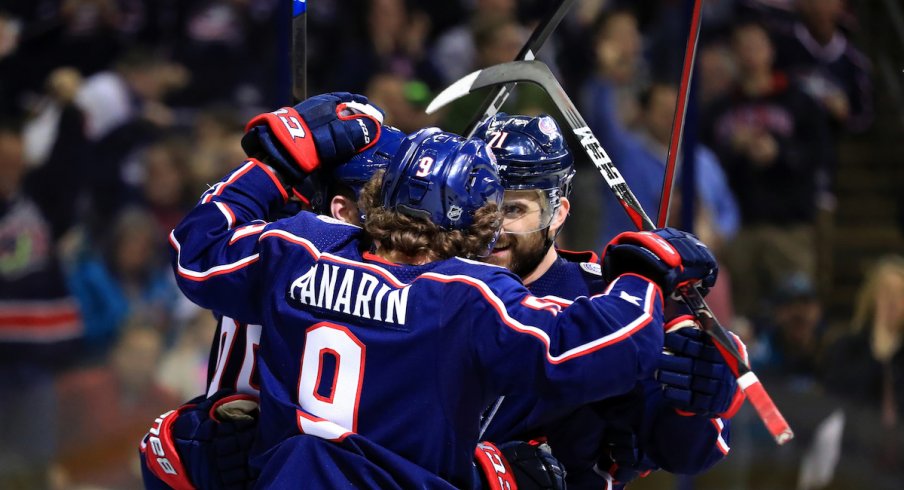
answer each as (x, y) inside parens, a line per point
(521, 253)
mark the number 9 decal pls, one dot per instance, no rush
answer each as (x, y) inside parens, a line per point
(329, 385)
(425, 164)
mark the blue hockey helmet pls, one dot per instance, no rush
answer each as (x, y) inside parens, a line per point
(441, 177)
(531, 153)
(357, 171)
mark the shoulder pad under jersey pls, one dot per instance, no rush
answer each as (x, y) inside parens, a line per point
(572, 256)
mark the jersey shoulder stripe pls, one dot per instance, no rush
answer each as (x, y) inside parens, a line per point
(646, 315)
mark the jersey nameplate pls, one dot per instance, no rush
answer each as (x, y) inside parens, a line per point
(350, 291)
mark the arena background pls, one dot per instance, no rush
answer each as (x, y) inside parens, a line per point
(116, 114)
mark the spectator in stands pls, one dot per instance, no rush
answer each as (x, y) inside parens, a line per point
(392, 38)
(867, 363)
(790, 337)
(619, 62)
(657, 105)
(771, 139)
(403, 101)
(865, 368)
(217, 136)
(716, 72)
(608, 101)
(166, 188)
(125, 277)
(39, 325)
(497, 40)
(455, 50)
(831, 69)
(58, 152)
(125, 111)
(817, 53)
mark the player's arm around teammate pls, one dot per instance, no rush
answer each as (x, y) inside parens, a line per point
(615, 436)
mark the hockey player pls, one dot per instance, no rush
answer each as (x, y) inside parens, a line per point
(225, 263)
(631, 434)
(206, 442)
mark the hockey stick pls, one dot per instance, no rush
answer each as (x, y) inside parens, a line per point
(538, 73)
(687, 73)
(298, 51)
(500, 94)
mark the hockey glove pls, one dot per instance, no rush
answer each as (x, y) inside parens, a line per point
(667, 256)
(323, 129)
(518, 465)
(695, 378)
(204, 443)
(622, 457)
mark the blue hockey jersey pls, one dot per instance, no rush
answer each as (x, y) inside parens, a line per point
(664, 438)
(402, 358)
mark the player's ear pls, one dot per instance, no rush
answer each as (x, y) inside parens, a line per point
(561, 214)
(344, 209)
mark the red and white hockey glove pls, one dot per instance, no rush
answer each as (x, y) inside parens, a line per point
(695, 377)
(321, 130)
(202, 444)
(518, 465)
(667, 256)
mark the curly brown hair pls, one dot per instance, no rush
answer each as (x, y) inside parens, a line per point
(418, 237)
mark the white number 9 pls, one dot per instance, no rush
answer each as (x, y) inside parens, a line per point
(332, 415)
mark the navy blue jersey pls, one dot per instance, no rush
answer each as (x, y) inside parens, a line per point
(678, 443)
(362, 352)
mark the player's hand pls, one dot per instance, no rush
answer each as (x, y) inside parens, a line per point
(321, 130)
(518, 465)
(695, 378)
(667, 256)
(621, 455)
(204, 443)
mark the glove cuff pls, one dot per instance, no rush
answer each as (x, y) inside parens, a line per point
(234, 407)
(679, 322)
(163, 460)
(494, 468)
(652, 242)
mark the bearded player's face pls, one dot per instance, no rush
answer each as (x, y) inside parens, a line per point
(525, 221)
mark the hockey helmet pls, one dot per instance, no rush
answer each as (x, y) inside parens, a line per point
(355, 172)
(441, 177)
(532, 155)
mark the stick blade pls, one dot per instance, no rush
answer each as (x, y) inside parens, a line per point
(463, 86)
(514, 71)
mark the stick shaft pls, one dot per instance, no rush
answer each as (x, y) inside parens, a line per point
(687, 73)
(493, 102)
(299, 52)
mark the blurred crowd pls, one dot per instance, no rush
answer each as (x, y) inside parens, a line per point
(116, 114)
